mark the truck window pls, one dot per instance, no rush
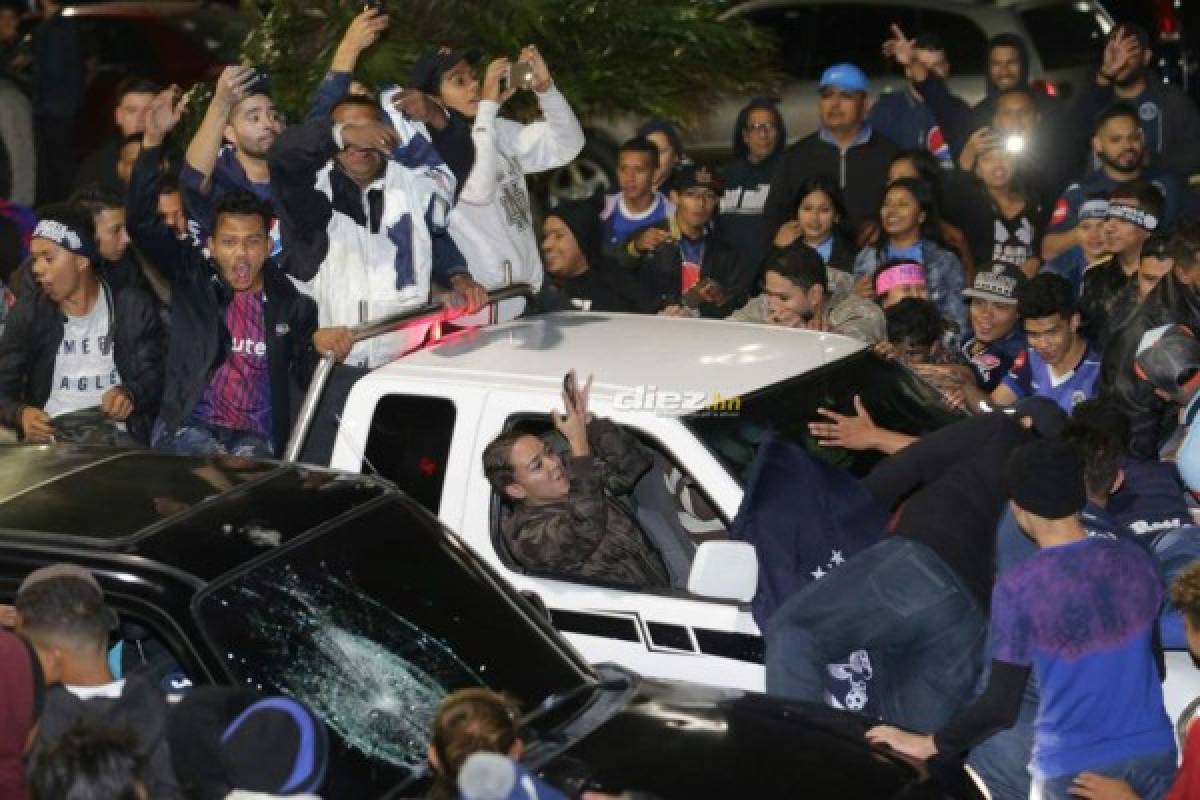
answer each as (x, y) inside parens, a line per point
(668, 505)
(409, 443)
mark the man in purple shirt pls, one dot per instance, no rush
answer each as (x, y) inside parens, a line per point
(1080, 616)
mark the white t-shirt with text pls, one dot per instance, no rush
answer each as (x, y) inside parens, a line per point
(84, 368)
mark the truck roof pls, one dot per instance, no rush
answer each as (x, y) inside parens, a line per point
(623, 352)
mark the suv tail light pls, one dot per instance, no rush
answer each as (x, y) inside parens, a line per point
(1047, 87)
(1166, 21)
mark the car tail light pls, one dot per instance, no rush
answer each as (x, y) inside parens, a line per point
(1166, 21)
(1049, 88)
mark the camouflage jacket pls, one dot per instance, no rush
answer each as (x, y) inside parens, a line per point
(590, 534)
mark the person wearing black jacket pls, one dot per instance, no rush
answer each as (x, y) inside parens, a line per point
(580, 278)
(844, 147)
(695, 272)
(75, 342)
(920, 596)
(759, 137)
(240, 331)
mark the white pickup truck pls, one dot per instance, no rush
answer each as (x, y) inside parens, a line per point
(698, 394)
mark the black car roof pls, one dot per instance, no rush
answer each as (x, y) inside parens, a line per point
(204, 516)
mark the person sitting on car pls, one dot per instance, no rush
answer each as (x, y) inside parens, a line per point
(62, 350)
(63, 615)
(567, 520)
(240, 331)
(799, 291)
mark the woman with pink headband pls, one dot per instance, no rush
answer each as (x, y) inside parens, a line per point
(910, 231)
(897, 279)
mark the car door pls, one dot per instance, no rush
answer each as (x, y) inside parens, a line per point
(664, 633)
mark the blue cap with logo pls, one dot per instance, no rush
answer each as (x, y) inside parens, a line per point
(843, 76)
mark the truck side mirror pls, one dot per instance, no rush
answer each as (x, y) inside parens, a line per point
(725, 570)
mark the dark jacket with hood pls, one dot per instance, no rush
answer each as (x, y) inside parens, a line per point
(604, 286)
(141, 709)
(981, 114)
(200, 341)
(747, 184)
(34, 332)
(589, 533)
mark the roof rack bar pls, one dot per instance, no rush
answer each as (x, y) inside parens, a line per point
(369, 330)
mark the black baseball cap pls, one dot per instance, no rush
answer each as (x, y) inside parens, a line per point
(426, 74)
(687, 176)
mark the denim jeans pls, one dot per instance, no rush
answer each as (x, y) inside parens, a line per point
(899, 601)
(1002, 760)
(199, 439)
(1150, 776)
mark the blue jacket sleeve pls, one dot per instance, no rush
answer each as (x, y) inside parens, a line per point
(333, 87)
(951, 111)
(448, 260)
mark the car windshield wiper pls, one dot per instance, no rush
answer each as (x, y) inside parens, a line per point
(560, 699)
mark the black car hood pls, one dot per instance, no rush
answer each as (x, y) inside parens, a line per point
(677, 740)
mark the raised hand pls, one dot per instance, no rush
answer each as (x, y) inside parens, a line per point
(572, 424)
(232, 85)
(899, 47)
(363, 32)
(164, 113)
(496, 70)
(541, 73)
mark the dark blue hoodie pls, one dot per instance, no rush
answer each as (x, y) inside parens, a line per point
(747, 183)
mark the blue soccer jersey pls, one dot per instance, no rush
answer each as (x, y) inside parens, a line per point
(1030, 376)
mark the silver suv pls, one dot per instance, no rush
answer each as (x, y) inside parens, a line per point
(1065, 40)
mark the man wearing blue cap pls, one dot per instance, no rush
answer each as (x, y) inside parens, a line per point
(844, 148)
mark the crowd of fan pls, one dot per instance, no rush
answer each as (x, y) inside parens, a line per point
(1030, 251)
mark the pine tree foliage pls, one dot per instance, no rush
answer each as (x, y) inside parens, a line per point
(668, 58)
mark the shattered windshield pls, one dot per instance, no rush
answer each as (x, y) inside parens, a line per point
(895, 398)
(372, 623)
